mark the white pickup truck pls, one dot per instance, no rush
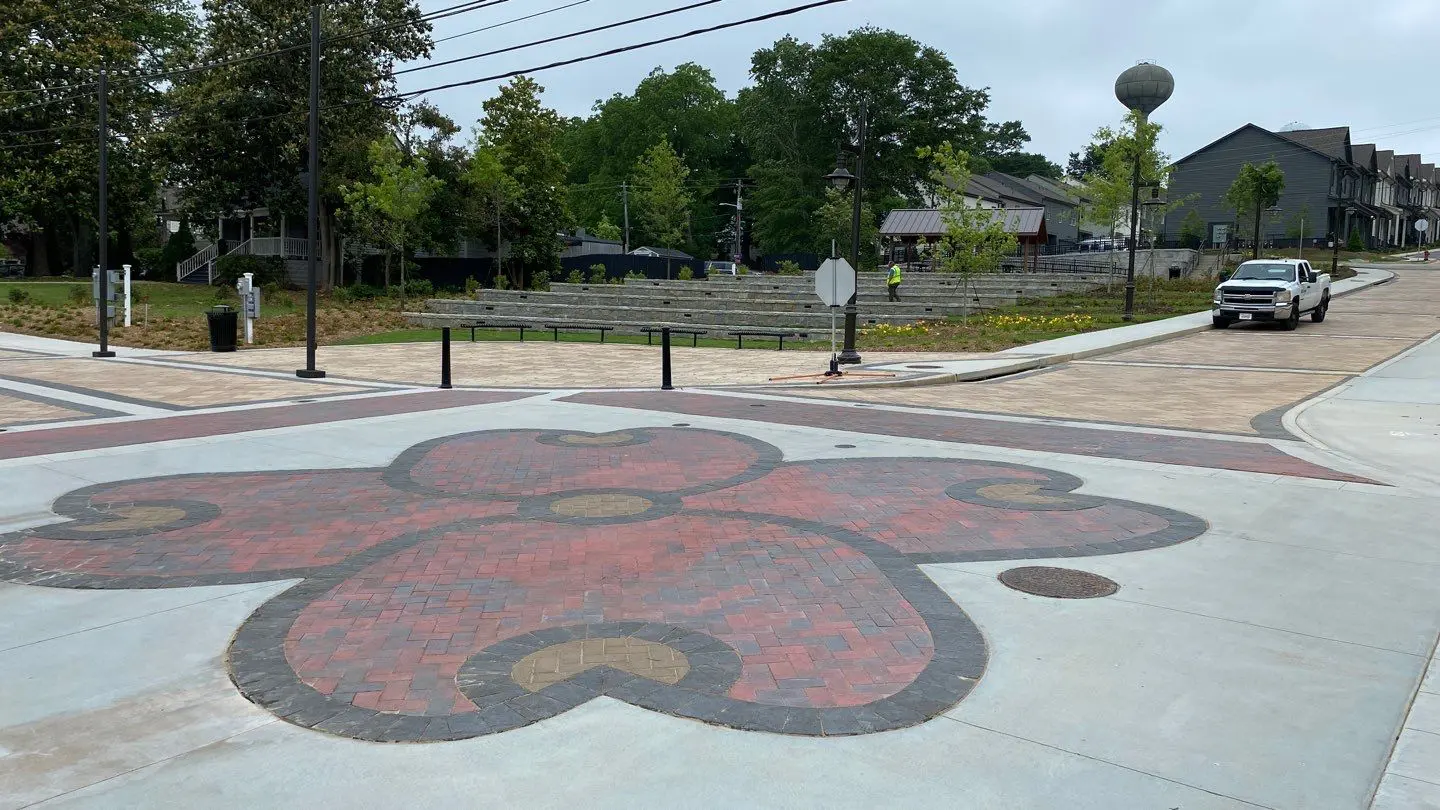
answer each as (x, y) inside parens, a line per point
(1279, 290)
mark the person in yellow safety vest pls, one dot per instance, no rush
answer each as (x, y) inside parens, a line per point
(893, 282)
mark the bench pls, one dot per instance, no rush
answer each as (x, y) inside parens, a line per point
(651, 331)
(741, 335)
(578, 327)
(496, 325)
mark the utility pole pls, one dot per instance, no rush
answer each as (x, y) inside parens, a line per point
(310, 372)
(102, 313)
(625, 196)
(739, 210)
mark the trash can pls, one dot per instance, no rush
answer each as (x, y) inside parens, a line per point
(223, 324)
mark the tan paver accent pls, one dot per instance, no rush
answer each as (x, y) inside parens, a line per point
(1188, 399)
(18, 411)
(1019, 493)
(1257, 349)
(602, 506)
(540, 364)
(603, 440)
(130, 518)
(11, 354)
(172, 386)
(647, 659)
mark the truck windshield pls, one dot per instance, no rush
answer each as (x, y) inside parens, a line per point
(1264, 272)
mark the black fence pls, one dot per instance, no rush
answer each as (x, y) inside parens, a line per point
(620, 265)
(809, 262)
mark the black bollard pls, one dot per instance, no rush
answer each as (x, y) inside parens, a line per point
(445, 357)
(665, 360)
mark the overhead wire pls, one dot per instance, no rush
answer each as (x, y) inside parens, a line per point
(511, 21)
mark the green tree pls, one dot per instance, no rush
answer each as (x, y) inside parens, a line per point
(806, 99)
(524, 137)
(1192, 230)
(1302, 224)
(834, 223)
(494, 197)
(1256, 188)
(975, 239)
(1106, 191)
(391, 206)
(53, 53)
(238, 136)
(664, 203)
(605, 229)
(684, 106)
(1024, 164)
(1081, 165)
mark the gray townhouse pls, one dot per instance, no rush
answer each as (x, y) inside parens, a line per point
(1060, 206)
(1338, 187)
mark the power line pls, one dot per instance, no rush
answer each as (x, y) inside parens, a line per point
(561, 37)
(512, 22)
(625, 49)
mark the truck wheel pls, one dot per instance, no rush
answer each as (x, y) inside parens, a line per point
(1292, 323)
(1318, 316)
(1220, 323)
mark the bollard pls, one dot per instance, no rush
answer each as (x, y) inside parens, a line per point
(665, 360)
(445, 357)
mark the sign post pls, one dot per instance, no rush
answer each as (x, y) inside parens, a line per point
(835, 284)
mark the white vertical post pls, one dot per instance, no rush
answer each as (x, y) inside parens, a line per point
(249, 307)
(127, 294)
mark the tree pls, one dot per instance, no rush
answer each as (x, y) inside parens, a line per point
(1080, 166)
(834, 223)
(391, 206)
(684, 106)
(806, 100)
(1192, 230)
(238, 136)
(975, 239)
(605, 229)
(1106, 191)
(1302, 224)
(1024, 164)
(1255, 189)
(494, 196)
(49, 164)
(524, 138)
(660, 193)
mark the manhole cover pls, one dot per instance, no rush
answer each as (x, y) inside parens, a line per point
(1058, 583)
(924, 367)
(846, 446)
(677, 424)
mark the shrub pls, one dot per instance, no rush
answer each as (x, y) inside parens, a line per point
(418, 288)
(472, 286)
(598, 274)
(685, 274)
(575, 277)
(148, 261)
(540, 282)
(502, 282)
(79, 296)
(274, 295)
(19, 296)
(179, 247)
(1192, 230)
(1356, 242)
(266, 269)
(636, 274)
(357, 292)
(742, 270)
(789, 268)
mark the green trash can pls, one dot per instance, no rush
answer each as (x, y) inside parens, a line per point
(224, 322)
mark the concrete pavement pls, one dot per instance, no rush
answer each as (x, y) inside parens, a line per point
(1275, 616)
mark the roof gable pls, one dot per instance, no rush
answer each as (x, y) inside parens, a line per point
(1333, 142)
(1363, 155)
(1278, 139)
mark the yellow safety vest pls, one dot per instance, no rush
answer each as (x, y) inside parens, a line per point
(894, 274)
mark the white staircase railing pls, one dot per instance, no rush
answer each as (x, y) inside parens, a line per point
(195, 262)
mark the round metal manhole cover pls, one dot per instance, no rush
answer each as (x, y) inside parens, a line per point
(1058, 583)
(924, 367)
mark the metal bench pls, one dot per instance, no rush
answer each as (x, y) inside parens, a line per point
(765, 333)
(651, 331)
(578, 327)
(496, 325)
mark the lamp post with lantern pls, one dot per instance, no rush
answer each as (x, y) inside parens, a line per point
(842, 179)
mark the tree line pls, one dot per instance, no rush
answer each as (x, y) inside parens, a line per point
(401, 177)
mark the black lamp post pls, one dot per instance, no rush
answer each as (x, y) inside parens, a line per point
(1143, 89)
(842, 179)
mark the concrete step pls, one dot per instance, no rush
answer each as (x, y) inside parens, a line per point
(721, 293)
(917, 306)
(876, 282)
(649, 316)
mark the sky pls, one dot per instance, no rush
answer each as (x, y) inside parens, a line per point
(1051, 64)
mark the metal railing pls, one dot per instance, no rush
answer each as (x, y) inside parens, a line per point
(195, 262)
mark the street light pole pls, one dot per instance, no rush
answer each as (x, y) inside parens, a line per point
(102, 314)
(1142, 88)
(313, 218)
(848, 354)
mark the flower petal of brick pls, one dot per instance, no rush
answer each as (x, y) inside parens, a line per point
(509, 464)
(775, 625)
(215, 529)
(940, 510)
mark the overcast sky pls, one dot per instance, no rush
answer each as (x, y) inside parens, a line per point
(1051, 64)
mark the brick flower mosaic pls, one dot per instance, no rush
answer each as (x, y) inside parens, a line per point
(486, 581)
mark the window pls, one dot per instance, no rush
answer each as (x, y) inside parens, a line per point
(1264, 271)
